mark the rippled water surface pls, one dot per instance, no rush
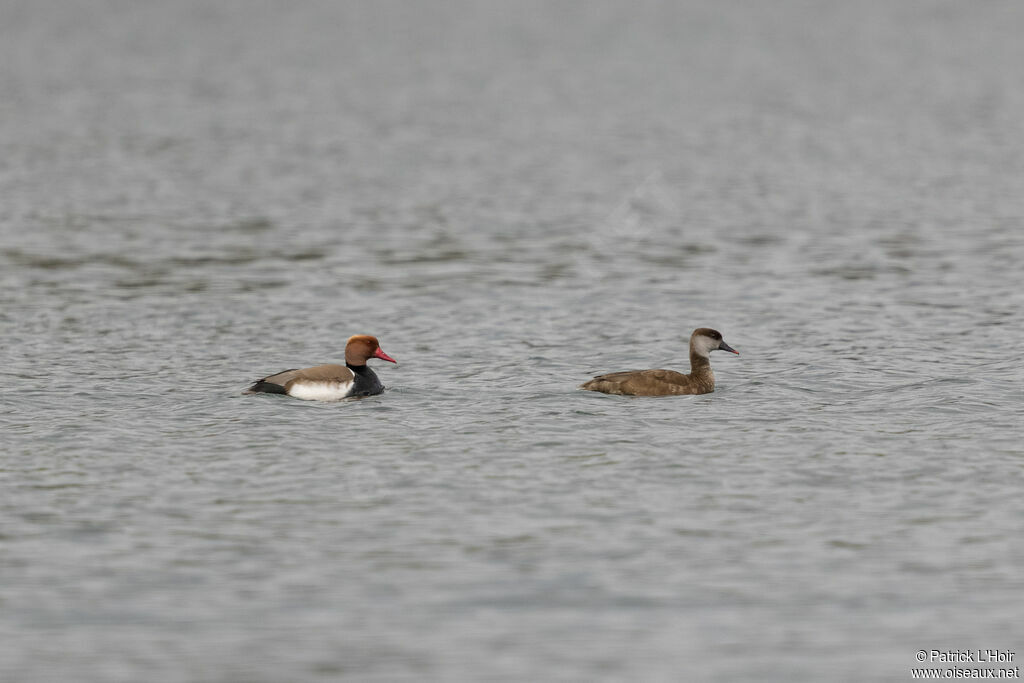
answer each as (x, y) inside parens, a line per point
(512, 198)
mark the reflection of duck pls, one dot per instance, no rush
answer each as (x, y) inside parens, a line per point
(668, 382)
(330, 382)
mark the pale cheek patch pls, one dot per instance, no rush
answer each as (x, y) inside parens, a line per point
(320, 391)
(705, 345)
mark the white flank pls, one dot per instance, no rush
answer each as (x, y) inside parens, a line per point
(320, 391)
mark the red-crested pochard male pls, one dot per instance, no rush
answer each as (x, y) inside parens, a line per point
(668, 382)
(330, 382)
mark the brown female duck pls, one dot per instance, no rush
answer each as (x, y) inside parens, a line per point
(701, 379)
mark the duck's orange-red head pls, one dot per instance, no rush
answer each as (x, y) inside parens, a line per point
(362, 347)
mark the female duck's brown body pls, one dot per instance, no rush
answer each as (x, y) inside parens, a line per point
(701, 379)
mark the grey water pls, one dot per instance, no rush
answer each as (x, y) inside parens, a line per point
(513, 198)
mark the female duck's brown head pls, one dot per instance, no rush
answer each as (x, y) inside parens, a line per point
(361, 348)
(704, 340)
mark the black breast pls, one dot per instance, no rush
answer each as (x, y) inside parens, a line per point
(365, 382)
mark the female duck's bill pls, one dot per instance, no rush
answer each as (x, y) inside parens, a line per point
(701, 379)
(330, 382)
